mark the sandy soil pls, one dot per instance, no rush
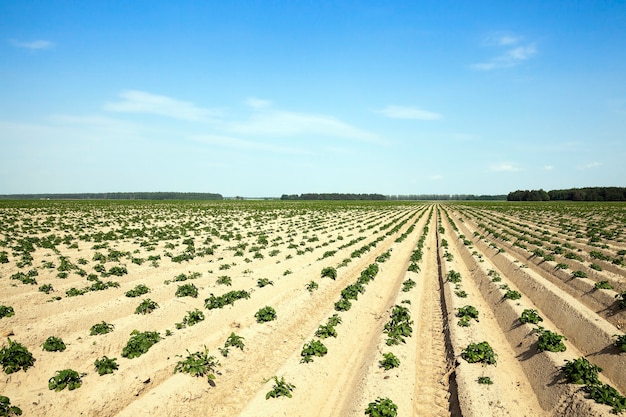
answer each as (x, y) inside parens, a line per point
(290, 245)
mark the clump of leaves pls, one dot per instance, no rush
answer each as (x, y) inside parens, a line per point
(140, 289)
(581, 371)
(313, 348)
(229, 298)
(461, 294)
(512, 295)
(234, 341)
(453, 276)
(382, 407)
(479, 352)
(343, 305)
(329, 272)
(408, 285)
(604, 285)
(399, 325)
(280, 389)
(265, 314)
(621, 300)
(199, 364)
(192, 318)
(106, 365)
(530, 316)
(101, 328)
(6, 311)
(389, 361)
(325, 331)
(485, 380)
(620, 342)
(187, 290)
(65, 378)
(579, 274)
(53, 344)
(606, 394)
(15, 356)
(139, 343)
(550, 341)
(262, 282)
(46, 288)
(224, 280)
(312, 286)
(147, 306)
(466, 314)
(8, 410)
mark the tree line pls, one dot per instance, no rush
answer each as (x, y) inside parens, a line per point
(571, 194)
(115, 196)
(332, 196)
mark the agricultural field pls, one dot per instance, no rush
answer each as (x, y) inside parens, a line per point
(312, 308)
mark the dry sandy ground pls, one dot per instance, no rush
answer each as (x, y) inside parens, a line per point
(432, 379)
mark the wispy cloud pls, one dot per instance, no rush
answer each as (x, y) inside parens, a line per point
(257, 103)
(267, 121)
(515, 52)
(436, 177)
(33, 45)
(549, 167)
(504, 167)
(590, 165)
(142, 102)
(246, 145)
(407, 112)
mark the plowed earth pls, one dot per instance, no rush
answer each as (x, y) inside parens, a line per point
(224, 247)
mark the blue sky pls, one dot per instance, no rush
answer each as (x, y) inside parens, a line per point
(263, 98)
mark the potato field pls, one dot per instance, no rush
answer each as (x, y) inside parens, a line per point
(255, 308)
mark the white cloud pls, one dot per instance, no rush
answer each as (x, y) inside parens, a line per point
(404, 112)
(245, 145)
(515, 54)
(589, 166)
(38, 44)
(504, 167)
(436, 177)
(549, 167)
(142, 102)
(257, 103)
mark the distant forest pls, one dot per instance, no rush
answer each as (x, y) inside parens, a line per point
(447, 197)
(340, 196)
(333, 196)
(572, 194)
(115, 196)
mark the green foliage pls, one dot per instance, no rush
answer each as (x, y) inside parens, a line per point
(101, 328)
(606, 394)
(224, 280)
(466, 314)
(265, 314)
(382, 407)
(621, 300)
(453, 276)
(234, 341)
(408, 285)
(329, 272)
(139, 289)
(65, 378)
(192, 318)
(561, 265)
(106, 365)
(53, 344)
(325, 331)
(485, 380)
(229, 298)
(6, 311)
(550, 341)
(530, 316)
(603, 285)
(512, 295)
(15, 356)
(479, 352)
(595, 267)
(620, 342)
(139, 343)
(343, 305)
(581, 371)
(399, 326)
(313, 348)
(579, 274)
(199, 364)
(147, 306)
(187, 290)
(6, 409)
(461, 294)
(389, 361)
(280, 389)
(262, 282)
(312, 286)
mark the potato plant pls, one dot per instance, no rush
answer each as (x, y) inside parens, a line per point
(6, 311)
(8, 410)
(147, 306)
(15, 356)
(479, 353)
(101, 328)
(187, 290)
(265, 314)
(199, 364)
(106, 365)
(53, 344)
(389, 361)
(581, 371)
(312, 348)
(382, 407)
(140, 289)
(550, 341)
(139, 343)
(281, 388)
(66, 378)
(530, 316)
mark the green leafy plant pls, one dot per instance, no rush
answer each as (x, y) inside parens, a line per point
(389, 361)
(479, 352)
(65, 378)
(265, 314)
(8, 410)
(224, 280)
(326, 330)
(6, 311)
(234, 341)
(382, 407)
(408, 285)
(139, 343)
(343, 305)
(147, 306)
(466, 314)
(192, 318)
(581, 371)
(53, 344)
(187, 290)
(230, 297)
(603, 285)
(106, 365)
(329, 272)
(620, 342)
(512, 295)
(139, 289)
(485, 380)
(15, 356)
(280, 389)
(453, 276)
(621, 300)
(312, 286)
(530, 316)
(579, 274)
(262, 282)
(46, 288)
(313, 348)
(199, 364)
(101, 328)
(461, 294)
(550, 341)
(606, 394)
